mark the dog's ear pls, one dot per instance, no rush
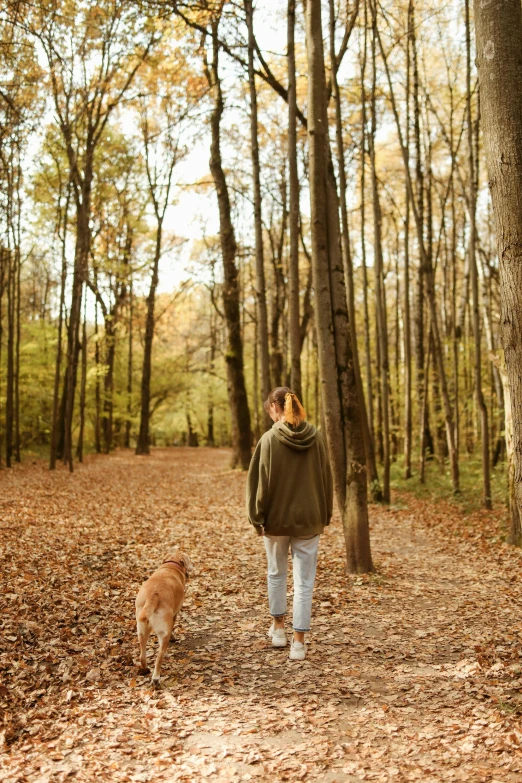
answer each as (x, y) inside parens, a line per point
(187, 562)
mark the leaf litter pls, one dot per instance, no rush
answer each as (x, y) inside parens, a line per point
(413, 673)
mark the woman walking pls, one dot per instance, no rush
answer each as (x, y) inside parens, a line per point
(289, 502)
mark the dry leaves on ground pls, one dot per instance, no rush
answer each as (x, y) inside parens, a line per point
(412, 674)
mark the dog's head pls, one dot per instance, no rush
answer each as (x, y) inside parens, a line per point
(182, 559)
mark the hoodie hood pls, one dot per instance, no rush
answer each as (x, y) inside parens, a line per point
(297, 438)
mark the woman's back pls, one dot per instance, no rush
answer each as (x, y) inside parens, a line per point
(289, 489)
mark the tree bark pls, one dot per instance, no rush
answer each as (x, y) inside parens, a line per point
(262, 315)
(483, 411)
(108, 383)
(241, 435)
(498, 27)
(408, 415)
(58, 365)
(293, 260)
(418, 321)
(375, 488)
(97, 395)
(367, 340)
(83, 243)
(340, 396)
(380, 307)
(143, 442)
(128, 422)
(83, 383)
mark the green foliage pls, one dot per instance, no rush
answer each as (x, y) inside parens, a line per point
(437, 485)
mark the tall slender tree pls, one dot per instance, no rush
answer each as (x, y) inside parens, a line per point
(262, 313)
(239, 410)
(484, 426)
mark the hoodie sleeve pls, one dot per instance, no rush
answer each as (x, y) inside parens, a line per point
(327, 479)
(257, 485)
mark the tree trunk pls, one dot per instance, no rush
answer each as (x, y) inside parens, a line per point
(424, 403)
(58, 366)
(83, 242)
(16, 389)
(375, 488)
(128, 422)
(498, 28)
(340, 396)
(418, 321)
(262, 316)
(380, 307)
(108, 383)
(211, 366)
(83, 383)
(241, 435)
(9, 396)
(367, 340)
(408, 418)
(278, 299)
(293, 261)
(97, 394)
(143, 442)
(3, 263)
(484, 426)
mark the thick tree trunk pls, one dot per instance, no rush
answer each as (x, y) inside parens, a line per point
(340, 395)
(241, 435)
(262, 315)
(498, 28)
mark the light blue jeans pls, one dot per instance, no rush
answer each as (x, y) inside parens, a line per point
(304, 564)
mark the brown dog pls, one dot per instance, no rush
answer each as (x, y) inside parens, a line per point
(158, 604)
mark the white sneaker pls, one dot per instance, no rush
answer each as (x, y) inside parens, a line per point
(278, 636)
(297, 651)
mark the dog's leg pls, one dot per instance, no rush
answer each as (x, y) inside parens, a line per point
(143, 637)
(173, 638)
(163, 639)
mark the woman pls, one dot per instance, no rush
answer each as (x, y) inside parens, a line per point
(289, 502)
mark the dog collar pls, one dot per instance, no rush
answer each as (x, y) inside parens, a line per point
(180, 568)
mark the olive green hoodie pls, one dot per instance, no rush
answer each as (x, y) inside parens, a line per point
(289, 485)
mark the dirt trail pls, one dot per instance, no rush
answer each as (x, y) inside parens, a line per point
(412, 674)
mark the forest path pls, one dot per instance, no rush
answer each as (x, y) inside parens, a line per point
(412, 673)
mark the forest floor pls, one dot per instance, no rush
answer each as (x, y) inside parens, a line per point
(413, 673)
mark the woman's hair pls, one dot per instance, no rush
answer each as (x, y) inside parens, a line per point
(289, 402)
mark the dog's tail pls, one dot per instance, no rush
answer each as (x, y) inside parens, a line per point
(149, 607)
